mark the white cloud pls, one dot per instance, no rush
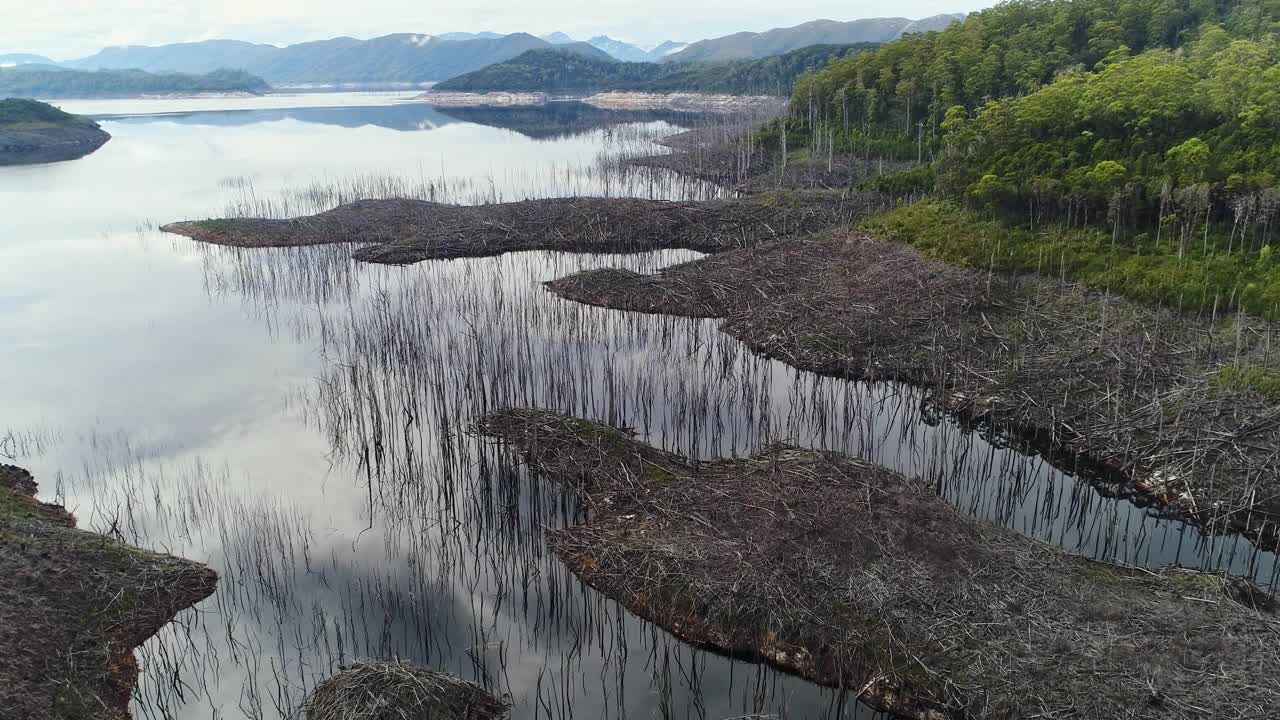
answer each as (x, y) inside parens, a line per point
(72, 28)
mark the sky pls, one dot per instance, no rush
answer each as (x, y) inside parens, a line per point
(66, 29)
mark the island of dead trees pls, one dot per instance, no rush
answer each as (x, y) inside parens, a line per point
(857, 577)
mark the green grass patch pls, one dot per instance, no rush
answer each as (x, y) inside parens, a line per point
(1138, 268)
(215, 225)
(1264, 381)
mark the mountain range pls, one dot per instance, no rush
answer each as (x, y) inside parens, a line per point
(617, 49)
(12, 59)
(419, 58)
(746, 45)
(398, 58)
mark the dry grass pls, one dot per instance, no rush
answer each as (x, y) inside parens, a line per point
(400, 691)
(855, 576)
(73, 606)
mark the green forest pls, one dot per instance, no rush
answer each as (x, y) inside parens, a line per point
(557, 71)
(1133, 144)
(16, 113)
(48, 82)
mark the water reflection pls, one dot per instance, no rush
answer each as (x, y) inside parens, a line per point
(555, 121)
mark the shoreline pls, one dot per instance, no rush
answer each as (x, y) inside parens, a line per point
(73, 607)
(612, 100)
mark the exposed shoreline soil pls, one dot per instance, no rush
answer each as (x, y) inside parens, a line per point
(710, 103)
(399, 232)
(398, 690)
(74, 605)
(854, 576)
(1128, 386)
(49, 144)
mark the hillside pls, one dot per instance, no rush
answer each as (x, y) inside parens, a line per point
(7, 60)
(746, 45)
(34, 132)
(669, 47)
(620, 50)
(555, 72)
(399, 58)
(1133, 145)
(16, 112)
(39, 81)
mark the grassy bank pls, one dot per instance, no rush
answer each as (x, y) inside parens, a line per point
(857, 577)
(1197, 275)
(18, 114)
(73, 606)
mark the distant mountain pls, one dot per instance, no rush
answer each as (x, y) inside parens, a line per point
(666, 48)
(935, 23)
(456, 36)
(42, 81)
(23, 59)
(819, 32)
(399, 58)
(620, 50)
(558, 38)
(557, 72)
(199, 57)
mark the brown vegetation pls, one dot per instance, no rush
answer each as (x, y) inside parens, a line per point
(408, 231)
(1129, 386)
(400, 691)
(857, 577)
(73, 606)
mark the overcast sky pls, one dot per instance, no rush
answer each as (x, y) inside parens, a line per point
(65, 29)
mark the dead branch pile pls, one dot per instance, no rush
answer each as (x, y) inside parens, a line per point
(857, 577)
(74, 605)
(399, 691)
(1130, 387)
(408, 231)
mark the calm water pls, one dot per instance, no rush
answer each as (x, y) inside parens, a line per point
(297, 420)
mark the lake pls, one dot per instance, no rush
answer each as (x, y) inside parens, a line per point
(298, 420)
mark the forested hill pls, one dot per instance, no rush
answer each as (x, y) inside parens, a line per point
(35, 81)
(33, 132)
(1155, 121)
(17, 112)
(554, 71)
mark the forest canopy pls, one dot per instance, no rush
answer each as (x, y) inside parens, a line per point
(1150, 115)
(1131, 144)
